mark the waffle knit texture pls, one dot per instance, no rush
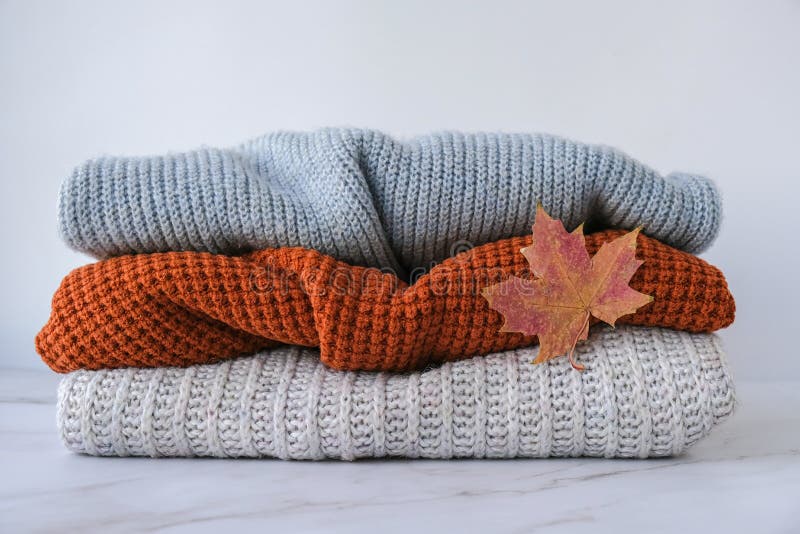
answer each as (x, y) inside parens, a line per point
(646, 392)
(177, 309)
(367, 199)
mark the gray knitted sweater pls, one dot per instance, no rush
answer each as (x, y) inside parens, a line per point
(645, 392)
(368, 199)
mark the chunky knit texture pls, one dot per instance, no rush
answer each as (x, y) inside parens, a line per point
(645, 392)
(186, 308)
(367, 199)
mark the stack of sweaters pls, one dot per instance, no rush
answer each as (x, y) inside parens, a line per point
(318, 295)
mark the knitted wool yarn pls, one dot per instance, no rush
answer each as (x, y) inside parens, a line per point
(186, 308)
(646, 392)
(367, 199)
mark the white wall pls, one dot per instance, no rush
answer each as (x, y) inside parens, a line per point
(707, 87)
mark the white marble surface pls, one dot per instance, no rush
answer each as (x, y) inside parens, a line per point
(744, 478)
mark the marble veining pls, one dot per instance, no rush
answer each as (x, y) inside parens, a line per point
(744, 478)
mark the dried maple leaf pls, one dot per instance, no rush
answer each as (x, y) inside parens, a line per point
(569, 288)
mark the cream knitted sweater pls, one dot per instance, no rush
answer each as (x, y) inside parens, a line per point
(646, 392)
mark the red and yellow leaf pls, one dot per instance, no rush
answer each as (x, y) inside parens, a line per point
(568, 288)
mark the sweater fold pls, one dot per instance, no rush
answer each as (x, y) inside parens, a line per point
(367, 199)
(183, 308)
(646, 392)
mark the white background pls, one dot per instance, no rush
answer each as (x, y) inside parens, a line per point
(704, 87)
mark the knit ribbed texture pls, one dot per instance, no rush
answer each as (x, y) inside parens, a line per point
(189, 307)
(646, 392)
(367, 199)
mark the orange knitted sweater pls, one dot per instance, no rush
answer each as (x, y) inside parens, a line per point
(183, 308)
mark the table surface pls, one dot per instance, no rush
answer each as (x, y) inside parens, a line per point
(745, 477)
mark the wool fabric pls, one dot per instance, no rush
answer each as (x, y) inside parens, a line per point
(177, 309)
(646, 392)
(365, 198)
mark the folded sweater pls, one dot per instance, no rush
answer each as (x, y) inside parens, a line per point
(646, 392)
(184, 308)
(368, 199)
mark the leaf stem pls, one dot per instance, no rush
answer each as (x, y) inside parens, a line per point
(576, 365)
